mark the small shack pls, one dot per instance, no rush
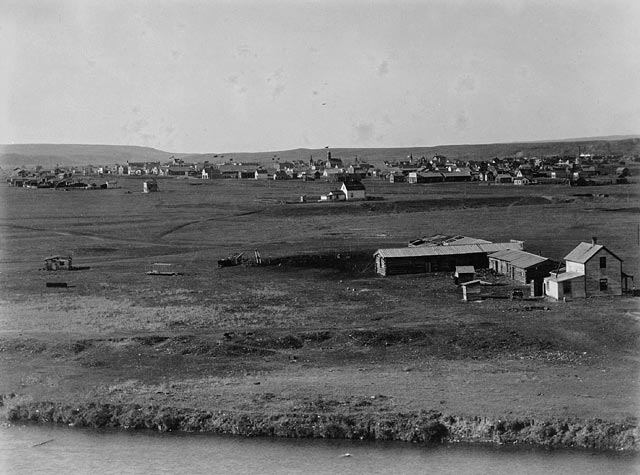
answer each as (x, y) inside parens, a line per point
(471, 291)
(464, 274)
(58, 263)
(149, 186)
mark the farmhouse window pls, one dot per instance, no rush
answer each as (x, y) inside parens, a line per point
(604, 284)
(603, 263)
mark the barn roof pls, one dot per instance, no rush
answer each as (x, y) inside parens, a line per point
(424, 251)
(447, 240)
(519, 258)
(585, 251)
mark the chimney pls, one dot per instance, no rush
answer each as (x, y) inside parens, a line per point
(594, 241)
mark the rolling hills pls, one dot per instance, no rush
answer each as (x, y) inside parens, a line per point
(49, 155)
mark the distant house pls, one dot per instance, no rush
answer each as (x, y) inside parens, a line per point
(261, 174)
(457, 174)
(503, 178)
(522, 180)
(181, 171)
(335, 195)
(331, 172)
(397, 177)
(560, 174)
(210, 172)
(354, 190)
(591, 270)
(425, 177)
(149, 186)
(245, 174)
(622, 172)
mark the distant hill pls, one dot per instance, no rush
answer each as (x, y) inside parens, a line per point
(472, 152)
(48, 155)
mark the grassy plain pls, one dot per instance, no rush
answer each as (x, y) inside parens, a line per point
(306, 334)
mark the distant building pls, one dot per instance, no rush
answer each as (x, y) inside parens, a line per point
(335, 195)
(149, 186)
(261, 174)
(354, 191)
(58, 263)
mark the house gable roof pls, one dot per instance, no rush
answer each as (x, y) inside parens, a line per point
(584, 251)
(353, 186)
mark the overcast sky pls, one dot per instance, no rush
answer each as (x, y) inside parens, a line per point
(222, 76)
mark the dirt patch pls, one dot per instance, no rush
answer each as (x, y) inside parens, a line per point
(353, 262)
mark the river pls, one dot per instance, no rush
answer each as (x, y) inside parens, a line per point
(38, 449)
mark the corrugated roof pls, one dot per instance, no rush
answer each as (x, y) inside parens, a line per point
(423, 251)
(519, 258)
(462, 240)
(447, 240)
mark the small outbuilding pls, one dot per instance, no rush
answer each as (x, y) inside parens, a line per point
(149, 186)
(58, 263)
(464, 274)
(561, 285)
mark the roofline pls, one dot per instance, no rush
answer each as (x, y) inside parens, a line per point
(603, 247)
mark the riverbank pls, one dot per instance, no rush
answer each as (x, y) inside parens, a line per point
(425, 427)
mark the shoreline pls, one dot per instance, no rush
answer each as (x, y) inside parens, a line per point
(424, 427)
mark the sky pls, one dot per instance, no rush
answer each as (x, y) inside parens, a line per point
(238, 75)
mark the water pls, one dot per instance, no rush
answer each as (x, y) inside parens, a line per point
(83, 451)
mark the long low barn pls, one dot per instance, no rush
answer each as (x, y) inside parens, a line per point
(419, 260)
(521, 266)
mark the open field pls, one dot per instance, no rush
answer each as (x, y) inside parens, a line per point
(305, 335)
